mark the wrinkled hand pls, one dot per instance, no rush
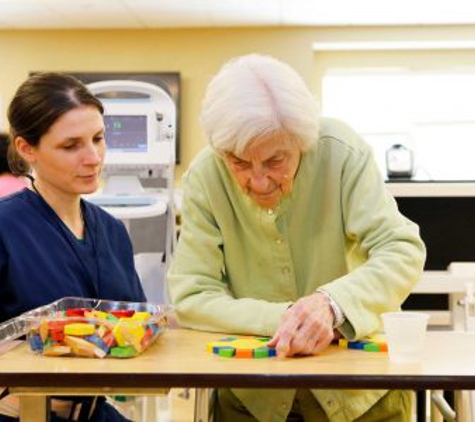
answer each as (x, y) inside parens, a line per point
(306, 327)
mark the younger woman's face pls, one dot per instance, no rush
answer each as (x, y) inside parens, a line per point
(68, 158)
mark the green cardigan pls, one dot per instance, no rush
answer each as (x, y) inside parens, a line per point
(237, 267)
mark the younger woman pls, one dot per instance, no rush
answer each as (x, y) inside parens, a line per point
(53, 243)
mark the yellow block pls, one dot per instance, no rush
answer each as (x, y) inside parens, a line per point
(102, 330)
(129, 333)
(81, 347)
(79, 329)
(209, 346)
(44, 329)
(376, 338)
(57, 351)
(95, 314)
(343, 342)
(141, 316)
(241, 343)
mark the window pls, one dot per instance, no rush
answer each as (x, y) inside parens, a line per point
(430, 112)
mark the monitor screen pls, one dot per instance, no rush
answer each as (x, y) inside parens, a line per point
(126, 133)
(447, 226)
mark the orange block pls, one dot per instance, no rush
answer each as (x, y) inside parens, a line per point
(244, 353)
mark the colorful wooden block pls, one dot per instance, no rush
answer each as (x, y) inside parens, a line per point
(242, 348)
(79, 329)
(112, 318)
(263, 352)
(143, 316)
(226, 352)
(36, 344)
(57, 351)
(93, 333)
(81, 347)
(375, 343)
(123, 313)
(99, 342)
(123, 352)
(357, 345)
(371, 347)
(44, 329)
(57, 334)
(94, 314)
(129, 333)
(75, 312)
(343, 343)
(216, 345)
(244, 353)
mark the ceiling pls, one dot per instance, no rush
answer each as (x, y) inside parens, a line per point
(59, 14)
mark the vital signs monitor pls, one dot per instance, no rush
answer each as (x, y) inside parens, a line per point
(140, 130)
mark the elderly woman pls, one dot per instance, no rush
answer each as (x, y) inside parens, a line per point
(288, 231)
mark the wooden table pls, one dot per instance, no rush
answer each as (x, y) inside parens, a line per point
(179, 359)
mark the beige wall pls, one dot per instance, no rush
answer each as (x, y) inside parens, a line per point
(198, 53)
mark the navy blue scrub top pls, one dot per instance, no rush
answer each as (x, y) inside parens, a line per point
(42, 261)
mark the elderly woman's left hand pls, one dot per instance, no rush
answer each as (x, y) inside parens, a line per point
(306, 328)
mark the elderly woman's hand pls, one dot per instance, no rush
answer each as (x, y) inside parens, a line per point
(306, 327)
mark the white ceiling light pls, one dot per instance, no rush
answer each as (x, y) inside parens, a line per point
(394, 45)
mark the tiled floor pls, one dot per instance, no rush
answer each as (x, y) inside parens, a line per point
(177, 407)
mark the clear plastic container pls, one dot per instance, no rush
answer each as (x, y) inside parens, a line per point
(91, 328)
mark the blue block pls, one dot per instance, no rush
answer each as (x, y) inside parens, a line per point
(357, 345)
(36, 344)
(154, 328)
(98, 342)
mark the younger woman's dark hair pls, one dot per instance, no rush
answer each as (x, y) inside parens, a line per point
(40, 101)
(4, 142)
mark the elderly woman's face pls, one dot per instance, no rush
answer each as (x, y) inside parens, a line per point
(266, 169)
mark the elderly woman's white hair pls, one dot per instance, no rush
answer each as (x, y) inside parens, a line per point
(254, 96)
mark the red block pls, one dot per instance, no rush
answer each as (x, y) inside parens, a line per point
(75, 312)
(57, 335)
(109, 339)
(123, 313)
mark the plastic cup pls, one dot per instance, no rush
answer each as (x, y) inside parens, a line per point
(405, 334)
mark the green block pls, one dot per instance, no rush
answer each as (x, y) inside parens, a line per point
(371, 347)
(263, 339)
(226, 352)
(263, 352)
(123, 352)
(111, 317)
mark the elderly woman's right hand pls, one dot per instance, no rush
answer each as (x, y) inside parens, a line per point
(306, 328)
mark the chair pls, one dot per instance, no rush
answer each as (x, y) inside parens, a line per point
(464, 400)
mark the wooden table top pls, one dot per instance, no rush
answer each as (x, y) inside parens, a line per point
(179, 359)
